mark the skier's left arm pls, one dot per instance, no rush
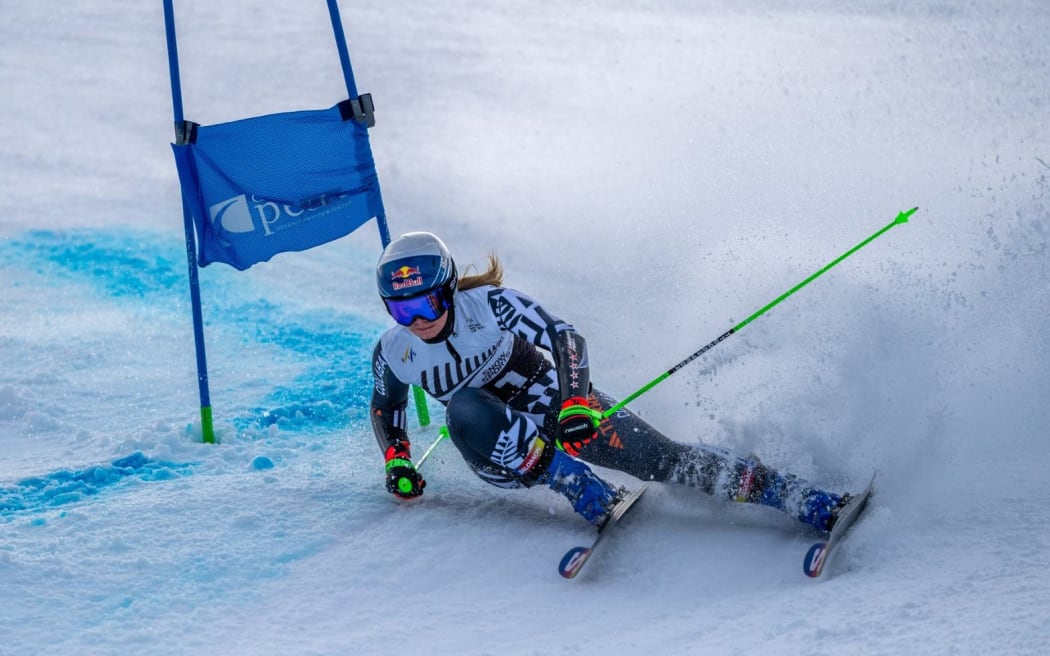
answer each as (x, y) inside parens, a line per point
(577, 421)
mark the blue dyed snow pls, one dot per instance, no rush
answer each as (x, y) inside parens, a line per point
(328, 395)
(69, 486)
(149, 268)
(262, 462)
(124, 263)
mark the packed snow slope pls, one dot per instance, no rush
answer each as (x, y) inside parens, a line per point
(652, 171)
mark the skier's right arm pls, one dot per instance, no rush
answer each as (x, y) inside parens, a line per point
(388, 410)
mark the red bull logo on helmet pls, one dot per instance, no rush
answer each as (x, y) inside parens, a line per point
(405, 277)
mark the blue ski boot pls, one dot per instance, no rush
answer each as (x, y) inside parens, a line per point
(590, 496)
(820, 509)
(755, 483)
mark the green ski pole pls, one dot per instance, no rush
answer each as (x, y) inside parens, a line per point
(902, 217)
(442, 434)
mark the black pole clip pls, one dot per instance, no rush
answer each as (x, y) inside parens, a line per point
(186, 132)
(360, 109)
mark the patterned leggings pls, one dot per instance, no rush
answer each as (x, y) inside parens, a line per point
(504, 442)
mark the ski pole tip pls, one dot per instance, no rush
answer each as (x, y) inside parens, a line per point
(903, 216)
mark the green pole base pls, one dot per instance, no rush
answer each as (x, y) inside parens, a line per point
(207, 429)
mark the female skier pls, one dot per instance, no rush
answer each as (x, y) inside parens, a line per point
(520, 421)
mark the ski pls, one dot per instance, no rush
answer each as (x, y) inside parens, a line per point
(820, 553)
(575, 558)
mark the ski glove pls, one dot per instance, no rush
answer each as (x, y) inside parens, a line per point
(402, 479)
(577, 425)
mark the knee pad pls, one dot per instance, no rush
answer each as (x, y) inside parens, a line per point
(488, 433)
(474, 416)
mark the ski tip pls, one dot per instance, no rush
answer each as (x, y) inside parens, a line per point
(813, 565)
(572, 561)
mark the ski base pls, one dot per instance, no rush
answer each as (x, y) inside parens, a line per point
(574, 559)
(820, 553)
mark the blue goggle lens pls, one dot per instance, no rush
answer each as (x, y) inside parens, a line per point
(427, 306)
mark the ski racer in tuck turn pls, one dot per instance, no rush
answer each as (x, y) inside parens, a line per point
(519, 421)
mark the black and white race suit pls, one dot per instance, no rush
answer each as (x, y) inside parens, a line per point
(502, 397)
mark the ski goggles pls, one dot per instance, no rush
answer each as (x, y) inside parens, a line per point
(428, 306)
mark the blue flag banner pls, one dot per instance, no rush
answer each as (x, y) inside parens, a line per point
(281, 182)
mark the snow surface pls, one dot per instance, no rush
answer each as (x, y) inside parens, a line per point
(652, 171)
